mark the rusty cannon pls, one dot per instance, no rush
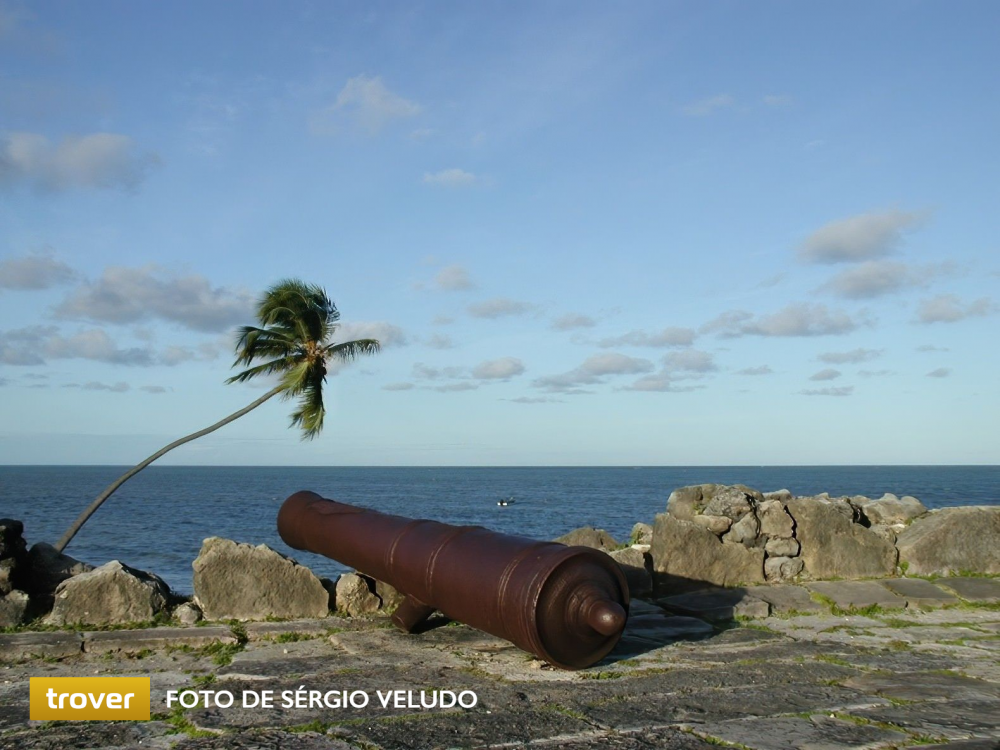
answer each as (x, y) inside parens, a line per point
(566, 605)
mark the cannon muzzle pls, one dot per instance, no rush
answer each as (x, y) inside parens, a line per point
(566, 605)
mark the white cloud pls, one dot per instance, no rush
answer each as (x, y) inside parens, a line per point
(439, 341)
(932, 348)
(426, 372)
(504, 368)
(948, 308)
(398, 387)
(708, 106)
(660, 383)
(853, 357)
(534, 400)
(797, 319)
(875, 373)
(453, 278)
(762, 370)
(38, 270)
(857, 238)
(689, 360)
(845, 390)
(387, 334)
(594, 370)
(442, 320)
(828, 374)
(456, 387)
(670, 336)
(155, 389)
(366, 103)
(99, 160)
(572, 321)
(778, 100)
(130, 295)
(119, 387)
(453, 177)
(941, 372)
(876, 278)
(499, 307)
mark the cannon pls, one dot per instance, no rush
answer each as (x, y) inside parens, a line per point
(566, 605)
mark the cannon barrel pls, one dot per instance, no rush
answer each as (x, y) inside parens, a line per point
(566, 605)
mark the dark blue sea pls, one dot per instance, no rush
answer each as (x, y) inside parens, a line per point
(159, 518)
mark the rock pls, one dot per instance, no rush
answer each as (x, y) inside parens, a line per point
(973, 589)
(835, 547)
(642, 533)
(11, 539)
(885, 532)
(633, 565)
(952, 540)
(857, 594)
(781, 495)
(355, 595)
(786, 599)
(774, 520)
(782, 547)
(718, 525)
(13, 608)
(187, 613)
(7, 575)
(687, 502)
(113, 594)
(243, 582)
(733, 501)
(782, 568)
(390, 597)
(889, 509)
(587, 536)
(683, 549)
(48, 568)
(919, 593)
(745, 531)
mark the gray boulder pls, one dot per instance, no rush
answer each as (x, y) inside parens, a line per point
(684, 550)
(243, 582)
(833, 546)
(588, 536)
(48, 568)
(113, 594)
(733, 501)
(389, 596)
(13, 608)
(781, 495)
(8, 573)
(633, 565)
(745, 531)
(778, 547)
(687, 502)
(642, 533)
(952, 540)
(718, 525)
(889, 509)
(356, 595)
(187, 613)
(774, 520)
(782, 568)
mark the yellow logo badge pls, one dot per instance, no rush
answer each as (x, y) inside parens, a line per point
(89, 698)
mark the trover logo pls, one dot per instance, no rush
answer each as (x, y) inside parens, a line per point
(89, 698)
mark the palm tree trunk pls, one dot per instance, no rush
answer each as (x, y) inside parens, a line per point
(79, 522)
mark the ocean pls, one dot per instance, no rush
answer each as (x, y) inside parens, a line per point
(158, 519)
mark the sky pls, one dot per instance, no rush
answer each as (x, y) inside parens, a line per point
(643, 233)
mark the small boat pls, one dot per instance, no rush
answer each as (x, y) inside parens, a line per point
(504, 503)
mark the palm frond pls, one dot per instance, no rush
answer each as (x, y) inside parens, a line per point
(349, 350)
(268, 368)
(311, 411)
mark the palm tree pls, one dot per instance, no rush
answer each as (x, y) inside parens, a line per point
(297, 325)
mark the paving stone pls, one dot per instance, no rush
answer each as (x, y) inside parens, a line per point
(717, 605)
(257, 631)
(785, 598)
(796, 733)
(664, 738)
(857, 594)
(15, 646)
(973, 589)
(953, 720)
(919, 593)
(960, 745)
(132, 641)
(925, 686)
(264, 740)
(663, 628)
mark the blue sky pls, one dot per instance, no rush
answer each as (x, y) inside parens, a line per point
(636, 234)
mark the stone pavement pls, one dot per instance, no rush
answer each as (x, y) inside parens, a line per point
(814, 675)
